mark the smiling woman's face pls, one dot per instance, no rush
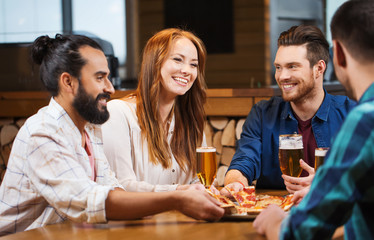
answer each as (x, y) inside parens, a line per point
(179, 70)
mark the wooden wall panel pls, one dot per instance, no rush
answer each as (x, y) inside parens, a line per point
(250, 59)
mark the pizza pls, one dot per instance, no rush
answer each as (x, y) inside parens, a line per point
(248, 202)
(225, 202)
(245, 198)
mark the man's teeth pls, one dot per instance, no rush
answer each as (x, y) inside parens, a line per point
(181, 80)
(287, 86)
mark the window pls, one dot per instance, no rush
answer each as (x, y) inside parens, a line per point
(104, 19)
(24, 20)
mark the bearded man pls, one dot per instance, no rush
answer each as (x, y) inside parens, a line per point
(57, 169)
(305, 108)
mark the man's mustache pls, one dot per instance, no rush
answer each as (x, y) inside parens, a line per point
(103, 95)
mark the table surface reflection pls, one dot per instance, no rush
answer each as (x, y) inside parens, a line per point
(167, 225)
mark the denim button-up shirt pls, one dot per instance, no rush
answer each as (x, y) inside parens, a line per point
(257, 149)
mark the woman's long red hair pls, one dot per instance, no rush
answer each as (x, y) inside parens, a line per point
(188, 109)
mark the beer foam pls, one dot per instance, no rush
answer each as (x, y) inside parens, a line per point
(290, 141)
(291, 146)
(321, 152)
(206, 149)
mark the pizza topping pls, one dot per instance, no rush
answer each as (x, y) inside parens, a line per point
(239, 198)
(249, 190)
(248, 205)
(251, 198)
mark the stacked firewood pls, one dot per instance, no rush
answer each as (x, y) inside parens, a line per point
(8, 130)
(222, 133)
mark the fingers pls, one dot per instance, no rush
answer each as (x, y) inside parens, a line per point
(306, 167)
(292, 180)
(200, 205)
(212, 199)
(214, 213)
(269, 219)
(235, 186)
(195, 186)
(291, 187)
(299, 195)
(198, 186)
(214, 190)
(296, 199)
(258, 224)
(225, 193)
(297, 184)
(303, 181)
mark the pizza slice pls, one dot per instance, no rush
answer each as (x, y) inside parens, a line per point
(246, 198)
(225, 202)
(287, 202)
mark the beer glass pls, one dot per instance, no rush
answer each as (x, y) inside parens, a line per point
(319, 158)
(206, 165)
(290, 152)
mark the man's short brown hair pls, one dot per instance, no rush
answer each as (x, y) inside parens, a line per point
(316, 43)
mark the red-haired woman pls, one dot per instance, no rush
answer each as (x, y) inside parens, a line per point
(151, 136)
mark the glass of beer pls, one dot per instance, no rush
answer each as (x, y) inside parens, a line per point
(290, 152)
(319, 158)
(206, 165)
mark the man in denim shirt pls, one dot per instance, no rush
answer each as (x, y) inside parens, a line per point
(342, 188)
(305, 107)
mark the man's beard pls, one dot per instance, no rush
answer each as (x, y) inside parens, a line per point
(303, 92)
(87, 106)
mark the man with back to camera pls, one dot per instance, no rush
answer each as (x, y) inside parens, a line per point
(343, 187)
(57, 169)
(305, 107)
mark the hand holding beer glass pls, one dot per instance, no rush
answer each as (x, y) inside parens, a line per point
(319, 158)
(291, 150)
(206, 165)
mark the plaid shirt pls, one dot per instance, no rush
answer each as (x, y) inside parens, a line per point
(343, 188)
(48, 178)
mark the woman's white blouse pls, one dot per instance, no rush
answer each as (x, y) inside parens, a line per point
(128, 156)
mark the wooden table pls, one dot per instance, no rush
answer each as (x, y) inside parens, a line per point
(167, 225)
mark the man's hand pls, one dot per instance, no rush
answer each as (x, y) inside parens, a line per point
(294, 184)
(299, 195)
(268, 221)
(236, 186)
(234, 179)
(199, 205)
